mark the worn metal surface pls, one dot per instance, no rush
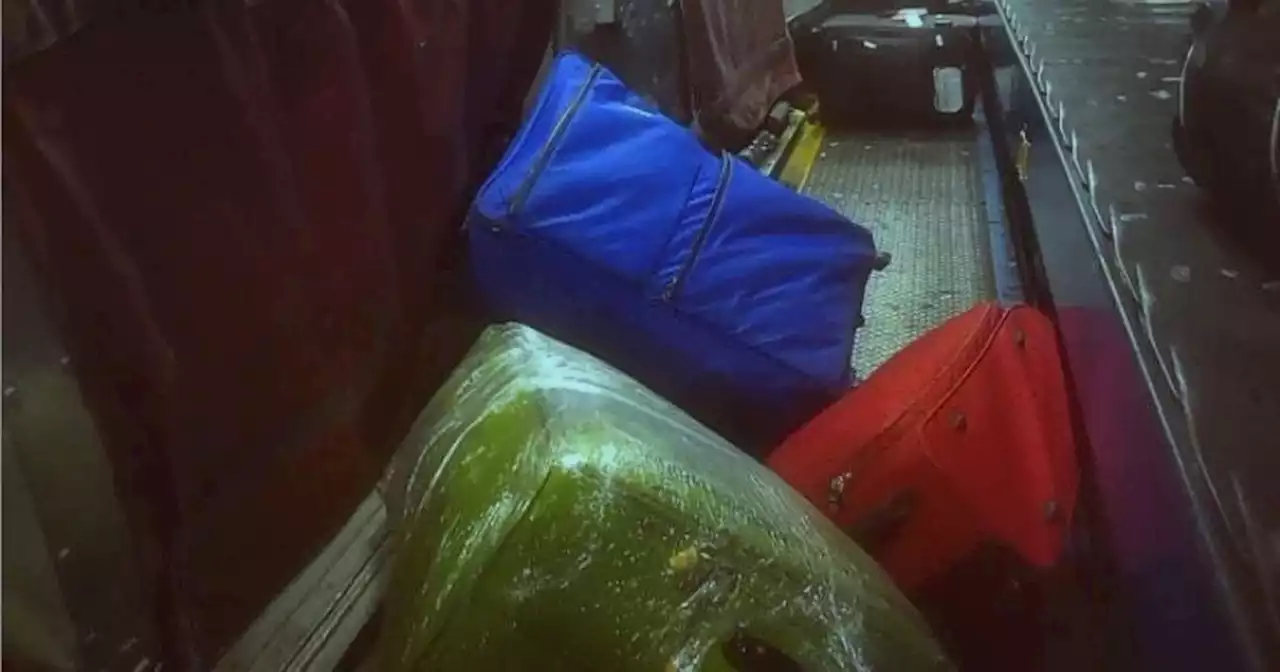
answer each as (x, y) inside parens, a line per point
(314, 620)
(38, 631)
(75, 597)
(1191, 298)
(921, 196)
(254, 300)
(794, 8)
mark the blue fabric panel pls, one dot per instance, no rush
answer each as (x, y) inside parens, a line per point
(777, 272)
(680, 247)
(621, 148)
(556, 97)
(751, 399)
(612, 228)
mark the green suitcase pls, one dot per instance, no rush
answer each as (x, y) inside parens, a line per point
(556, 515)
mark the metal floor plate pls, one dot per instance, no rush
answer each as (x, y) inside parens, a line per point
(921, 195)
(1204, 294)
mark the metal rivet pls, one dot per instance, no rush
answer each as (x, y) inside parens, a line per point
(835, 490)
(958, 421)
(1075, 152)
(10, 397)
(1051, 510)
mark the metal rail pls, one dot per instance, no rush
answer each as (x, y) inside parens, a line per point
(1164, 324)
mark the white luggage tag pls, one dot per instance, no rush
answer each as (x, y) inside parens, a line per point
(912, 16)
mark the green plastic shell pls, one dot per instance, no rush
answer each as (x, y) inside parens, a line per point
(556, 515)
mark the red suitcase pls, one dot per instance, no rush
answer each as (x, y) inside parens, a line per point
(961, 439)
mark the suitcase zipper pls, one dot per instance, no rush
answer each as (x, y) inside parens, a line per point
(726, 170)
(549, 147)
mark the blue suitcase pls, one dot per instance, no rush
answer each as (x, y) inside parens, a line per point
(610, 227)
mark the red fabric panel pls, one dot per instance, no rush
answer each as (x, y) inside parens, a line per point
(203, 193)
(972, 424)
(245, 213)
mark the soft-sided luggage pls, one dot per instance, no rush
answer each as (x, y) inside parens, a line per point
(825, 8)
(898, 67)
(610, 227)
(553, 514)
(741, 61)
(719, 64)
(960, 441)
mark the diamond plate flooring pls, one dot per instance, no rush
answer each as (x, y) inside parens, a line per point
(921, 196)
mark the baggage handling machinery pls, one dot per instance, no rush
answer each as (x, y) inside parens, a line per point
(1006, 210)
(1065, 194)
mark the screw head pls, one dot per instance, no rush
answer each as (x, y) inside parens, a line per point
(1051, 512)
(835, 490)
(10, 397)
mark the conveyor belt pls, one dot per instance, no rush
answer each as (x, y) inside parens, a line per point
(1205, 293)
(921, 195)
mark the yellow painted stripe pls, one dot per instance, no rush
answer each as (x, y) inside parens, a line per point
(796, 173)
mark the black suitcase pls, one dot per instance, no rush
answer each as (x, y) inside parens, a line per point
(907, 66)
